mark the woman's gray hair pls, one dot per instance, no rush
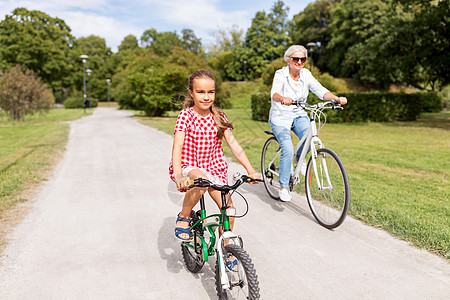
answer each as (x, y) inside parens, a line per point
(294, 48)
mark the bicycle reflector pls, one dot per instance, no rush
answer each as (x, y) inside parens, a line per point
(231, 211)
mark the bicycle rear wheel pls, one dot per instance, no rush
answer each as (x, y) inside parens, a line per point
(270, 166)
(192, 251)
(243, 283)
(329, 203)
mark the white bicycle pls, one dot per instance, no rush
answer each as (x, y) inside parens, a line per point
(326, 182)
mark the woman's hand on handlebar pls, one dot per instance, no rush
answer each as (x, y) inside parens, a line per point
(287, 101)
(342, 100)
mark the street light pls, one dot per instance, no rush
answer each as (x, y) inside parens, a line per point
(89, 71)
(108, 81)
(84, 57)
(311, 46)
(245, 70)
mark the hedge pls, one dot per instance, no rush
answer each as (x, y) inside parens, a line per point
(78, 103)
(365, 107)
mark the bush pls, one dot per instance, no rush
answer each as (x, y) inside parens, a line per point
(261, 106)
(270, 70)
(431, 102)
(77, 102)
(384, 107)
(365, 107)
(23, 93)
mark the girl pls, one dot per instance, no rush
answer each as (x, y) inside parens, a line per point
(197, 147)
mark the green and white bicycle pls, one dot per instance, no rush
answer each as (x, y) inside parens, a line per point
(326, 182)
(235, 273)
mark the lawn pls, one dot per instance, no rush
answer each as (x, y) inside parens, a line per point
(28, 151)
(399, 171)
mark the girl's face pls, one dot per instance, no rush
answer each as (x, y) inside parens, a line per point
(203, 92)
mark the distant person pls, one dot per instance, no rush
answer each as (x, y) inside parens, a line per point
(197, 148)
(293, 83)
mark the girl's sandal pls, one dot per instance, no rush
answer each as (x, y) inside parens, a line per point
(232, 264)
(180, 230)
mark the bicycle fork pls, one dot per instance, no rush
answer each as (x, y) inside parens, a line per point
(323, 166)
(227, 235)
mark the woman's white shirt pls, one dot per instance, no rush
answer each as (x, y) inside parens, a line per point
(283, 84)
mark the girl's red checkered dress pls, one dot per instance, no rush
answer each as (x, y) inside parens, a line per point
(201, 148)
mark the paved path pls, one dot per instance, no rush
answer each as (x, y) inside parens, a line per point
(102, 228)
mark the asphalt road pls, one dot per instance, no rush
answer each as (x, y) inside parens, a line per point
(102, 228)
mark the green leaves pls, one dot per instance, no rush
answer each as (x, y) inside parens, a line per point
(37, 41)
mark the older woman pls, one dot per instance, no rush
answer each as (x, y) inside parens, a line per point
(293, 82)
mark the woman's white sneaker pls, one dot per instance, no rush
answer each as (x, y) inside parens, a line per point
(285, 195)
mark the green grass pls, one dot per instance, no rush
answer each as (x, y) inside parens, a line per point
(28, 150)
(399, 172)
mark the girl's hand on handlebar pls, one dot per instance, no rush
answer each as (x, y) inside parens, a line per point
(255, 175)
(182, 182)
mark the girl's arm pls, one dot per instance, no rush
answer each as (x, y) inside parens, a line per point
(239, 153)
(178, 140)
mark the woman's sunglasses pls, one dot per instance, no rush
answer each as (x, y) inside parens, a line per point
(296, 59)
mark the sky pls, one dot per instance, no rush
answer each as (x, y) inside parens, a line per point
(115, 19)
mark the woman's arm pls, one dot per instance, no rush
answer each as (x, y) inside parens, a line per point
(331, 96)
(239, 153)
(178, 141)
(284, 100)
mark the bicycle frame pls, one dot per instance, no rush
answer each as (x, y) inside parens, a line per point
(312, 139)
(209, 224)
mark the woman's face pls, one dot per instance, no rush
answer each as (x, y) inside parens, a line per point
(297, 61)
(203, 92)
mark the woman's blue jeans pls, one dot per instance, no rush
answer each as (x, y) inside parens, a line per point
(300, 125)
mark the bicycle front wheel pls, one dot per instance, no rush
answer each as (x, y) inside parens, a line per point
(328, 190)
(242, 277)
(270, 166)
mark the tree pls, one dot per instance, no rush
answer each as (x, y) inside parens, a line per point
(40, 43)
(226, 56)
(313, 25)
(353, 23)
(163, 43)
(190, 42)
(130, 42)
(158, 84)
(429, 37)
(382, 42)
(99, 62)
(267, 38)
(23, 93)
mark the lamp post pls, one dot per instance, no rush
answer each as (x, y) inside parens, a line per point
(311, 46)
(84, 57)
(245, 70)
(108, 81)
(89, 71)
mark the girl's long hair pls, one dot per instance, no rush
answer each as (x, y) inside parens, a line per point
(218, 115)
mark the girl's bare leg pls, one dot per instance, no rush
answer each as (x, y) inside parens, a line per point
(216, 195)
(191, 198)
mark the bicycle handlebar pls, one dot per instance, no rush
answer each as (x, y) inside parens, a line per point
(201, 182)
(334, 104)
